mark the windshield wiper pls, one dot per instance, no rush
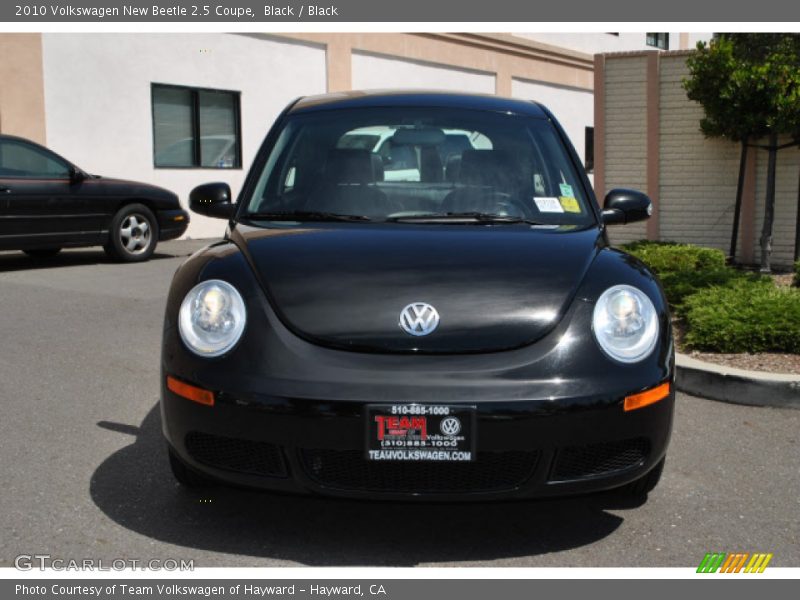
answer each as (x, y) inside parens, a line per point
(475, 217)
(303, 215)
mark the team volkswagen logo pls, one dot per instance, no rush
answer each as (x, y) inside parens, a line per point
(419, 318)
(450, 426)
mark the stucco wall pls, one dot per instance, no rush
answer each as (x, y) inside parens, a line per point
(626, 134)
(372, 71)
(22, 86)
(98, 103)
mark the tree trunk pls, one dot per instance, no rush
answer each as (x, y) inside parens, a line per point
(738, 209)
(797, 226)
(769, 205)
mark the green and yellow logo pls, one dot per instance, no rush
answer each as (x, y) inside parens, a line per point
(721, 562)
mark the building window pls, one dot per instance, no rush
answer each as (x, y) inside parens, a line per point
(658, 40)
(588, 149)
(196, 128)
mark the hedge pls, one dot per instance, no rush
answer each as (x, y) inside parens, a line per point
(745, 317)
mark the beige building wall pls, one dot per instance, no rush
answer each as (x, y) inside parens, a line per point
(650, 140)
(625, 99)
(22, 86)
(375, 71)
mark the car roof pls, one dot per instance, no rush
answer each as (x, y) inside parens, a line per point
(410, 98)
(8, 136)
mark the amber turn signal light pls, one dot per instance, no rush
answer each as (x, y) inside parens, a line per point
(190, 392)
(647, 397)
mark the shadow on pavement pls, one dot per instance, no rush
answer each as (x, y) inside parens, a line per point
(18, 261)
(135, 488)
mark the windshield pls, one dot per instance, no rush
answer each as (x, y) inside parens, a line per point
(419, 164)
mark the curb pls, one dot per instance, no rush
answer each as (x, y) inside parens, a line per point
(737, 386)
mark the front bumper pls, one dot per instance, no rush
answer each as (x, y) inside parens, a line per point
(524, 449)
(172, 224)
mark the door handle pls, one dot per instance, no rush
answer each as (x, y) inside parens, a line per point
(5, 190)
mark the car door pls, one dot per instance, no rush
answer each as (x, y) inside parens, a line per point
(42, 203)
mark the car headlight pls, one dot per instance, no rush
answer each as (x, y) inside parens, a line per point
(212, 318)
(625, 323)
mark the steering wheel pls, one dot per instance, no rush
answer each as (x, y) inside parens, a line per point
(505, 205)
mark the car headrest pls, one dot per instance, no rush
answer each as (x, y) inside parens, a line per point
(452, 168)
(349, 165)
(485, 168)
(377, 167)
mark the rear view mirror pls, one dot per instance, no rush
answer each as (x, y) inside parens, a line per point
(425, 136)
(623, 206)
(212, 200)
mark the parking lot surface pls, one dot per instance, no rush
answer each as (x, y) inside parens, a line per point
(85, 475)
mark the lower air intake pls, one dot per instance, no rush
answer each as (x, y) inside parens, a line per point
(232, 454)
(576, 462)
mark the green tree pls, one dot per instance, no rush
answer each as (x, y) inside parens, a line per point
(749, 87)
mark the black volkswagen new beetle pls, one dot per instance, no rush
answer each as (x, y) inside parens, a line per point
(416, 299)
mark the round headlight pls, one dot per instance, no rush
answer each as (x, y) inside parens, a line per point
(212, 318)
(625, 323)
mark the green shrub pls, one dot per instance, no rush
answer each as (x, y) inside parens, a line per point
(684, 269)
(796, 282)
(748, 316)
(665, 257)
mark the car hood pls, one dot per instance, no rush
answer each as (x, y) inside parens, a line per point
(124, 187)
(495, 287)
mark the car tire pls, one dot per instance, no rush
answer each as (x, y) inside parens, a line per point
(42, 252)
(185, 475)
(133, 234)
(646, 483)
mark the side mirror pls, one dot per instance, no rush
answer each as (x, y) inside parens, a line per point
(626, 206)
(212, 200)
(76, 175)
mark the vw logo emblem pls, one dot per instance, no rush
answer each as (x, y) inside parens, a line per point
(450, 426)
(419, 318)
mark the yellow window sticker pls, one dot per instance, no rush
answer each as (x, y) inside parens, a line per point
(569, 204)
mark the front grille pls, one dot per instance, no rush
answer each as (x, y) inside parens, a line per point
(575, 462)
(231, 454)
(349, 470)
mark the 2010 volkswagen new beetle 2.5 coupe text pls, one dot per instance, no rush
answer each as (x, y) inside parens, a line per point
(416, 298)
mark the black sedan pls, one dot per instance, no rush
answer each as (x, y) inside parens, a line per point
(47, 203)
(460, 329)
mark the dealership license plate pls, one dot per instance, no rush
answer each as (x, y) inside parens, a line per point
(420, 432)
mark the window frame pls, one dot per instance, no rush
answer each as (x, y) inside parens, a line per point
(588, 149)
(196, 136)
